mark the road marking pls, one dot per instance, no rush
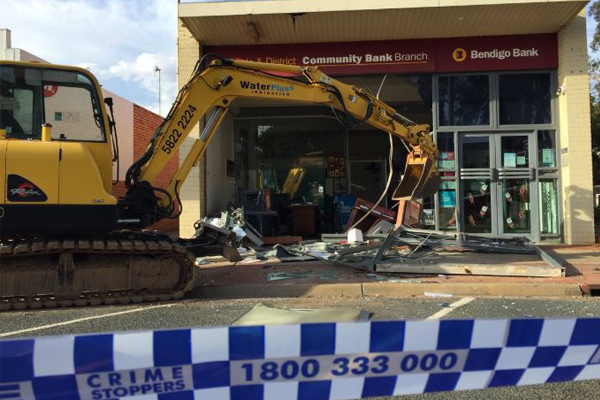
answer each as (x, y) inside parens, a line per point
(74, 321)
(451, 307)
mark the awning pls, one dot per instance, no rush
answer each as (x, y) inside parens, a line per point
(312, 21)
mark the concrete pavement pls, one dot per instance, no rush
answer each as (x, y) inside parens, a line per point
(222, 279)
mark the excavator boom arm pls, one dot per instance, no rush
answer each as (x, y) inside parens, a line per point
(217, 82)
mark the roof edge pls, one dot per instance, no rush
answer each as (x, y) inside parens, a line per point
(231, 8)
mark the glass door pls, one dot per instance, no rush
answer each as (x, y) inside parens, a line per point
(477, 192)
(515, 184)
(498, 188)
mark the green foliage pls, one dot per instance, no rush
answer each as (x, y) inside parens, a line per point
(595, 121)
(594, 12)
(594, 70)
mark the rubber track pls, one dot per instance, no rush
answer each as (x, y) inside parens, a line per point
(140, 246)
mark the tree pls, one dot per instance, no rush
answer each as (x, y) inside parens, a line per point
(594, 69)
(595, 117)
(594, 12)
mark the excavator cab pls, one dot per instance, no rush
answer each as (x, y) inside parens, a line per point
(55, 153)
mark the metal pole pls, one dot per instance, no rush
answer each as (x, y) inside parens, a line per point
(156, 69)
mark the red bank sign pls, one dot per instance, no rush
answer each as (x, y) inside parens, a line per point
(493, 53)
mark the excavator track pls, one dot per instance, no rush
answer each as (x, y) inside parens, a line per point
(80, 272)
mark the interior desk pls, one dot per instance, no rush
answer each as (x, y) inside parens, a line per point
(260, 216)
(304, 218)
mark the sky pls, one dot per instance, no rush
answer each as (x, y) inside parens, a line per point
(591, 27)
(120, 41)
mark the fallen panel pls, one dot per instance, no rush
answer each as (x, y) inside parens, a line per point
(473, 264)
(321, 274)
(263, 314)
(273, 240)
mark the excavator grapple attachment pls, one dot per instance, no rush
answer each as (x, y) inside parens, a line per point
(421, 178)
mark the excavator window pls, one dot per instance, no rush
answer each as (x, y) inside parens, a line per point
(20, 105)
(16, 115)
(73, 113)
(67, 100)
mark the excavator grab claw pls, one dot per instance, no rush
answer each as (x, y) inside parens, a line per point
(421, 178)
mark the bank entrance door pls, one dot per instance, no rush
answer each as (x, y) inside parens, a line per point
(498, 190)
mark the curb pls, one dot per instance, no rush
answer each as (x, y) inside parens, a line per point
(388, 289)
(281, 290)
(591, 289)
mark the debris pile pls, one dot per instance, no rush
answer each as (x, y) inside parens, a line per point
(383, 248)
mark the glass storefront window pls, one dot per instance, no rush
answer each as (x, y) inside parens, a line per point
(477, 206)
(492, 193)
(464, 100)
(525, 99)
(548, 203)
(447, 205)
(410, 95)
(516, 206)
(268, 150)
(475, 152)
(447, 158)
(515, 151)
(428, 213)
(546, 149)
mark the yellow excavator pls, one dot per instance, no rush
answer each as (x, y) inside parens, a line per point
(65, 240)
(296, 174)
(267, 178)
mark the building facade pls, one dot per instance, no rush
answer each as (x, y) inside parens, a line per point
(504, 87)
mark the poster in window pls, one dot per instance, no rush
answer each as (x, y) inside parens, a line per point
(448, 185)
(447, 198)
(510, 160)
(336, 166)
(548, 157)
(446, 160)
(428, 217)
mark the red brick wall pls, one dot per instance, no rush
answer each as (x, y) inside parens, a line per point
(144, 124)
(119, 189)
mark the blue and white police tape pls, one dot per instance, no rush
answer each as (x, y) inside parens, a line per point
(320, 361)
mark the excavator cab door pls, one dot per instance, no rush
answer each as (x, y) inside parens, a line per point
(31, 173)
(30, 167)
(421, 178)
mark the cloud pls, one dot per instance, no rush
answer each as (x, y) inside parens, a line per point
(142, 71)
(121, 41)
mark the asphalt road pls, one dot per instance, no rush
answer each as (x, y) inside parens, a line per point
(195, 312)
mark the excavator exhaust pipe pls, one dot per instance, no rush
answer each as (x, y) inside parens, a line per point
(421, 178)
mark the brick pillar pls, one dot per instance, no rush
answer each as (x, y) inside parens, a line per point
(193, 191)
(575, 134)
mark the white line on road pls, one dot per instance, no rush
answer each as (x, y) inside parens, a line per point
(451, 307)
(74, 321)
